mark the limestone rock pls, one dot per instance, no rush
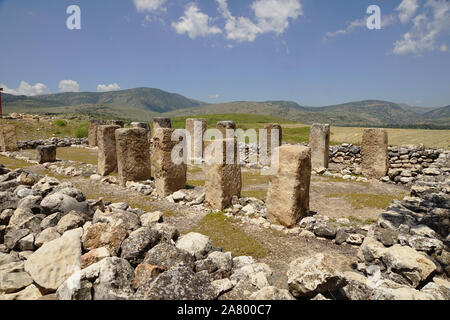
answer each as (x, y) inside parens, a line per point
(178, 283)
(374, 151)
(138, 243)
(308, 277)
(56, 260)
(167, 256)
(272, 293)
(196, 244)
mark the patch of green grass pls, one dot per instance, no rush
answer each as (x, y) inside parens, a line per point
(195, 170)
(14, 163)
(77, 154)
(195, 183)
(258, 194)
(361, 200)
(296, 135)
(250, 178)
(60, 123)
(229, 237)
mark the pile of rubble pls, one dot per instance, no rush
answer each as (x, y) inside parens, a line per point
(59, 142)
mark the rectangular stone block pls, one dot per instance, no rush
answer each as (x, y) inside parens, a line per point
(119, 123)
(224, 126)
(374, 153)
(143, 125)
(46, 154)
(92, 132)
(223, 180)
(161, 123)
(169, 176)
(107, 155)
(273, 132)
(8, 138)
(133, 156)
(319, 142)
(288, 192)
(196, 129)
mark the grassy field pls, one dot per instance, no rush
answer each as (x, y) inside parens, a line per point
(293, 132)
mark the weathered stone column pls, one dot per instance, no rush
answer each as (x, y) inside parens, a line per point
(46, 154)
(133, 156)
(169, 176)
(107, 155)
(8, 138)
(223, 126)
(288, 193)
(374, 153)
(143, 125)
(223, 180)
(161, 123)
(319, 142)
(92, 132)
(196, 129)
(265, 142)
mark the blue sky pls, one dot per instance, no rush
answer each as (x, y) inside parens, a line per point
(313, 52)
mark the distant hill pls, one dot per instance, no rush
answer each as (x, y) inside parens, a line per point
(145, 103)
(141, 98)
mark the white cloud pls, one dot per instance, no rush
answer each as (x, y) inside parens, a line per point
(150, 5)
(407, 9)
(214, 96)
(427, 27)
(68, 86)
(27, 89)
(195, 23)
(444, 48)
(270, 16)
(109, 87)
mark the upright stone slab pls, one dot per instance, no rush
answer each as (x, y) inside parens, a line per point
(223, 126)
(8, 138)
(133, 156)
(143, 125)
(196, 129)
(107, 155)
(288, 193)
(319, 142)
(374, 153)
(46, 154)
(119, 123)
(265, 142)
(223, 180)
(92, 132)
(169, 176)
(161, 123)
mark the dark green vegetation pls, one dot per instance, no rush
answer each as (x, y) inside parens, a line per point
(145, 103)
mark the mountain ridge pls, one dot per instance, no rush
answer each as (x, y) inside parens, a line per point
(145, 103)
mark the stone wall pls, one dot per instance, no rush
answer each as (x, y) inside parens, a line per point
(59, 142)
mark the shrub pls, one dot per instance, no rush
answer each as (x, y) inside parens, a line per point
(82, 131)
(61, 123)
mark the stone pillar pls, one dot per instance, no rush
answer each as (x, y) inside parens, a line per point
(169, 176)
(223, 126)
(265, 142)
(161, 123)
(143, 125)
(223, 180)
(92, 132)
(8, 138)
(319, 142)
(374, 153)
(46, 154)
(119, 123)
(196, 129)
(133, 156)
(288, 193)
(107, 155)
